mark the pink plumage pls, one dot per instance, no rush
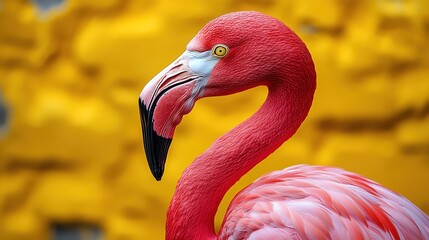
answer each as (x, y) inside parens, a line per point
(312, 202)
(230, 54)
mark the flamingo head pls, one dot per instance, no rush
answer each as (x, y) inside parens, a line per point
(232, 53)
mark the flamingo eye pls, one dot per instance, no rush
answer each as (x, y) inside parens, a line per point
(220, 50)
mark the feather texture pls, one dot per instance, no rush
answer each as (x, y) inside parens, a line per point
(315, 202)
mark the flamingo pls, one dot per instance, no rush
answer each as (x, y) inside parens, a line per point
(232, 53)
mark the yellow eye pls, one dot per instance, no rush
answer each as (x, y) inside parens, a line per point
(220, 50)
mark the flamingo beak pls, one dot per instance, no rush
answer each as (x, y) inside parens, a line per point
(155, 146)
(166, 98)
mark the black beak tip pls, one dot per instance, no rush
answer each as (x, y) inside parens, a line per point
(156, 147)
(157, 173)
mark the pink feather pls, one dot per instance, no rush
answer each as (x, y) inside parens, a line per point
(320, 208)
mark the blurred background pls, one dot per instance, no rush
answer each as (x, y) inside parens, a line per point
(72, 164)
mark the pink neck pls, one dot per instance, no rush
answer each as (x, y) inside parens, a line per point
(204, 183)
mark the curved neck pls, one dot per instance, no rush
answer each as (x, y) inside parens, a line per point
(205, 182)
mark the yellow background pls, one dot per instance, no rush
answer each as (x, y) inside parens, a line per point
(71, 77)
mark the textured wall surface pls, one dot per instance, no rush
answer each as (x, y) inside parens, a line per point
(71, 73)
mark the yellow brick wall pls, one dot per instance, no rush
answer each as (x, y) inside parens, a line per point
(71, 76)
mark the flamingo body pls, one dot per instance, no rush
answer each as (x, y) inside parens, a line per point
(314, 202)
(230, 54)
